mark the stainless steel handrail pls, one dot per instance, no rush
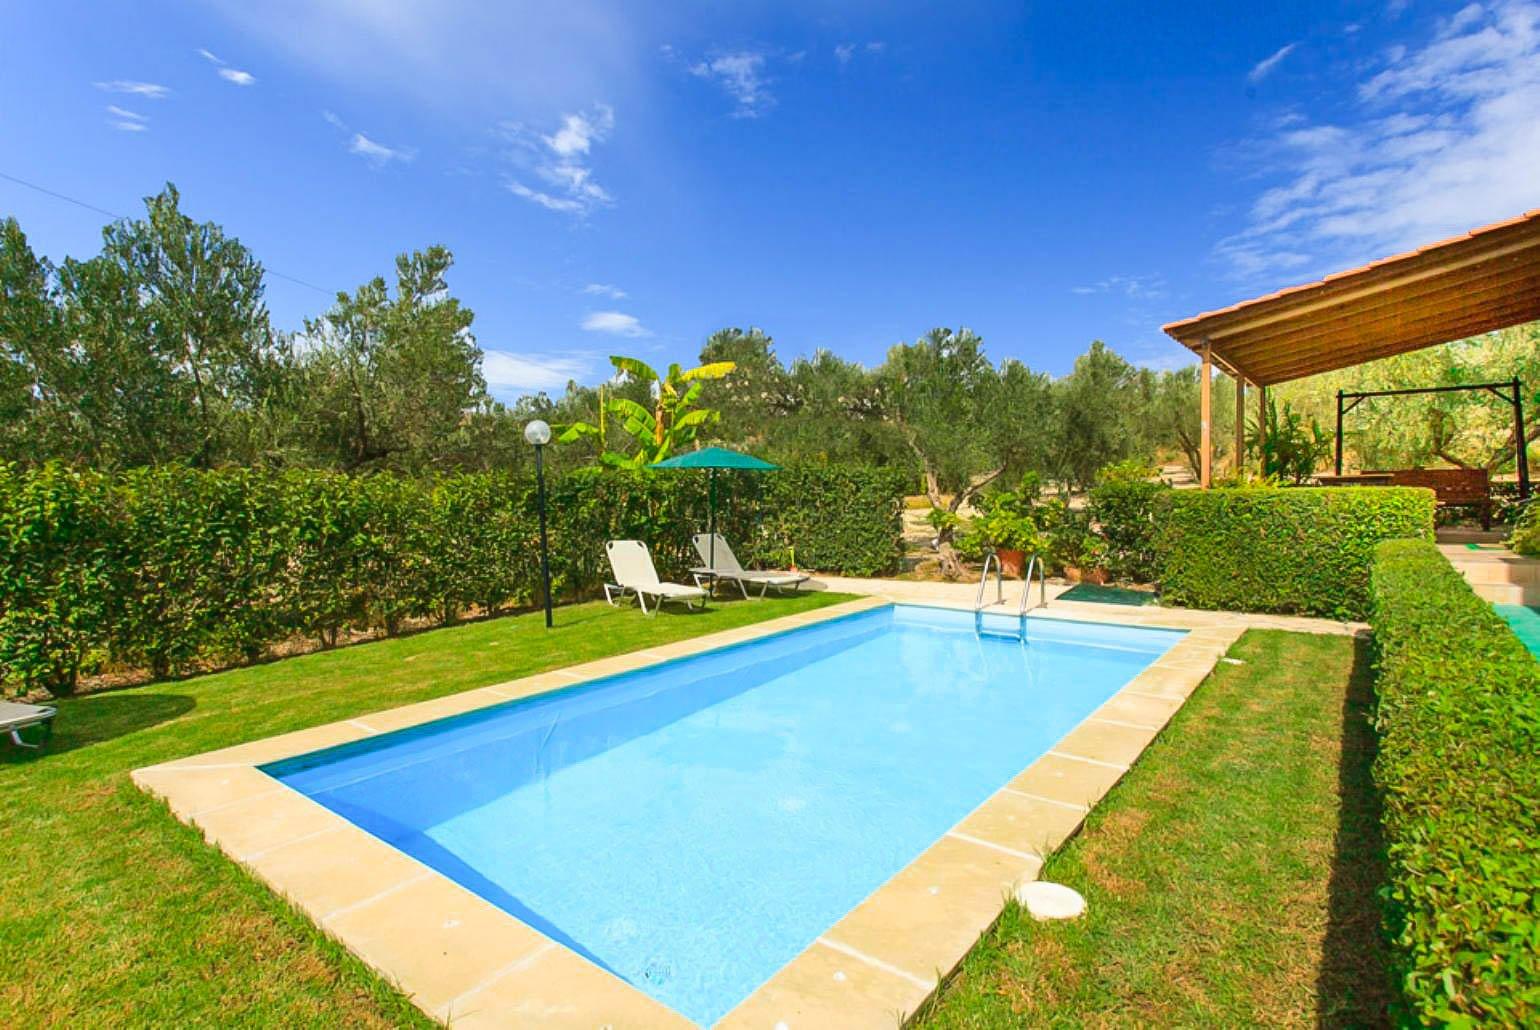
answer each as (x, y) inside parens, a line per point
(978, 602)
(1026, 585)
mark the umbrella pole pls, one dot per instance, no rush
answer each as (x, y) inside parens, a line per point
(711, 518)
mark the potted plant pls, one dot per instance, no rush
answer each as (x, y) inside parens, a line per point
(1012, 536)
(1090, 565)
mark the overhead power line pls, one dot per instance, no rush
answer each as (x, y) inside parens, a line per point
(113, 214)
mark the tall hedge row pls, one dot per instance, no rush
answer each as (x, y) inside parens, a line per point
(167, 568)
(1459, 772)
(1304, 550)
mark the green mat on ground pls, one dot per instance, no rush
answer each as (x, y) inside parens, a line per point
(1107, 595)
(1525, 623)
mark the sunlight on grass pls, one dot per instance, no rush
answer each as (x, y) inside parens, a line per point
(1230, 876)
(116, 913)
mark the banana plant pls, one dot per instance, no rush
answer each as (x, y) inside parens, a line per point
(673, 422)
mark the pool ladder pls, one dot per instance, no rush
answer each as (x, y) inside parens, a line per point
(993, 561)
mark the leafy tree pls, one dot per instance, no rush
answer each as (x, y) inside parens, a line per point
(156, 350)
(963, 419)
(30, 334)
(1173, 418)
(755, 394)
(1468, 429)
(670, 423)
(392, 381)
(1100, 408)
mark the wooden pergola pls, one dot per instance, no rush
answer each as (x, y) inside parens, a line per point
(1485, 280)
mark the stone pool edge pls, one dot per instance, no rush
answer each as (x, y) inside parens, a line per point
(466, 962)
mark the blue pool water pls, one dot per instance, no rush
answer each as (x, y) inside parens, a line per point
(693, 826)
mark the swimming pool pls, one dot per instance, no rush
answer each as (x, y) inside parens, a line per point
(694, 825)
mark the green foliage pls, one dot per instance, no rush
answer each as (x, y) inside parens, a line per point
(1468, 428)
(671, 424)
(1123, 508)
(1305, 550)
(55, 574)
(1525, 538)
(172, 569)
(1291, 450)
(1459, 726)
(1008, 519)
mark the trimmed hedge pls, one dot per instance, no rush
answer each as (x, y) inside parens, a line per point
(1459, 771)
(1302, 550)
(169, 569)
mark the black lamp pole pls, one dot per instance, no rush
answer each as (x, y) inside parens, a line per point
(539, 434)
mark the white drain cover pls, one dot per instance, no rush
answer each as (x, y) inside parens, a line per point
(1044, 900)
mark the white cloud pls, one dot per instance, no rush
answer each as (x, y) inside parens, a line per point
(1134, 287)
(845, 52)
(605, 290)
(559, 161)
(227, 73)
(742, 75)
(514, 372)
(1263, 68)
(466, 61)
(147, 90)
(377, 154)
(1444, 138)
(373, 151)
(616, 323)
(124, 120)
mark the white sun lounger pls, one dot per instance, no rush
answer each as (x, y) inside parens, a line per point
(16, 717)
(728, 568)
(632, 568)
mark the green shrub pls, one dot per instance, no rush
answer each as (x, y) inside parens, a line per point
(1123, 508)
(843, 519)
(1304, 550)
(1525, 538)
(169, 568)
(1458, 769)
(55, 574)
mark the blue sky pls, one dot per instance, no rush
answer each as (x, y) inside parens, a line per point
(628, 177)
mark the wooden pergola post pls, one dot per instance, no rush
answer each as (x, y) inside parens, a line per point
(1261, 428)
(1240, 425)
(1206, 419)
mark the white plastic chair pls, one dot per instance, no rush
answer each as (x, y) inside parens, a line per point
(632, 567)
(727, 567)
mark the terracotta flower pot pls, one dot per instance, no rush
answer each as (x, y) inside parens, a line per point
(1011, 562)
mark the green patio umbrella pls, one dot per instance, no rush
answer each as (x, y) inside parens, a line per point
(711, 459)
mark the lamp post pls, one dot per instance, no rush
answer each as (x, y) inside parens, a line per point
(539, 434)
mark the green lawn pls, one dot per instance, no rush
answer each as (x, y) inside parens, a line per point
(1231, 876)
(112, 912)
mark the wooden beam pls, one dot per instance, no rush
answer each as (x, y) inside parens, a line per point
(1494, 283)
(1354, 352)
(1383, 276)
(1511, 305)
(1240, 426)
(1205, 420)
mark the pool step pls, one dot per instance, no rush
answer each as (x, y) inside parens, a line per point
(1499, 576)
